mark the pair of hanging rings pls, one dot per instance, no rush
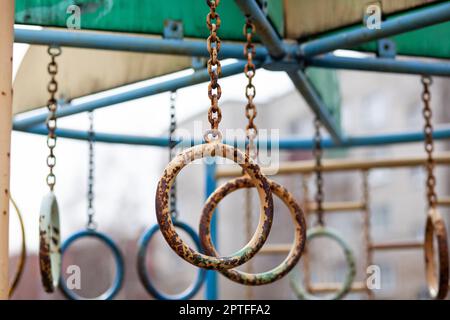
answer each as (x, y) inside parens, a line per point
(252, 178)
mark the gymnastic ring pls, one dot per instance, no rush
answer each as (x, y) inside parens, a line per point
(295, 282)
(23, 252)
(144, 276)
(49, 243)
(298, 244)
(435, 226)
(118, 258)
(213, 149)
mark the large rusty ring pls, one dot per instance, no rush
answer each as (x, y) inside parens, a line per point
(298, 244)
(301, 292)
(49, 243)
(215, 149)
(437, 279)
(23, 253)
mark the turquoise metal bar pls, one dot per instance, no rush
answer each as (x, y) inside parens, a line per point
(381, 65)
(171, 85)
(212, 286)
(291, 143)
(420, 18)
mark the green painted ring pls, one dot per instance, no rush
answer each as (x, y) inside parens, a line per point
(295, 282)
(298, 245)
(49, 243)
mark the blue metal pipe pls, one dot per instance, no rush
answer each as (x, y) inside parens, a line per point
(284, 143)
(212, 291)
(266, 32)
(381, 65)
(420, 18)
(308, 92)
(119, 42)
(171, 85)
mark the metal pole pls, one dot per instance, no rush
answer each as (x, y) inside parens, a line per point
(313, 99)
(119, 42)
(6, 57)
(266, 32)
(211, 292)
(416, 19)
(171, 85)
(381, 65)
(284, 144)
(305, 167)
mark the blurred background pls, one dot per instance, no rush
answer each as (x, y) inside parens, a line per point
(126, 178)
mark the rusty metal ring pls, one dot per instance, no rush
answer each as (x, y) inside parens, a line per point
(298, 244)
(301, 292)
(23, 252)
(167, 227)
(49, 243)
(437, 279)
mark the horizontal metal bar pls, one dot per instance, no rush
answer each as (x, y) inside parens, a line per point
(310, 95)
(170, 85)
(381, 65)
(332, 207)
(405, 245)
(333, 287)
(269, 249)
(444, 201)
(126, 42)
(283, 144)
(307, 167)
(266, 32)
(420, 18)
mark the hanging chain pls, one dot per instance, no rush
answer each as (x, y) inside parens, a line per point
(250, 90)
(366, 227)
(214, 66)
(52, 106)
(172, 152)
(91, 224)
(318, 170)
(429, 146)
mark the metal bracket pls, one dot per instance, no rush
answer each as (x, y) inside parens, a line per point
(173, 29)
(386, 48)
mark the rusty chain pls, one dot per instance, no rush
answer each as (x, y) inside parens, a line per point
(214, 66)
(250, 90)
(429, 146)
(318, 152)
(172, 152)
(52, 106)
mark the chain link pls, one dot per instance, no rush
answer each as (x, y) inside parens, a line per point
(52, 106)
(91, 224)
(213, 65)
(429, 146)
(250, 90)
(172, 152)
(318, 152)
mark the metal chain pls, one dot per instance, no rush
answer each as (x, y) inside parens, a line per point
(91, 224)
(318, 152)
(213, 65)
(172, 152)
(366, 226)
(429, 146)
(52, 106)
(250, 90)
